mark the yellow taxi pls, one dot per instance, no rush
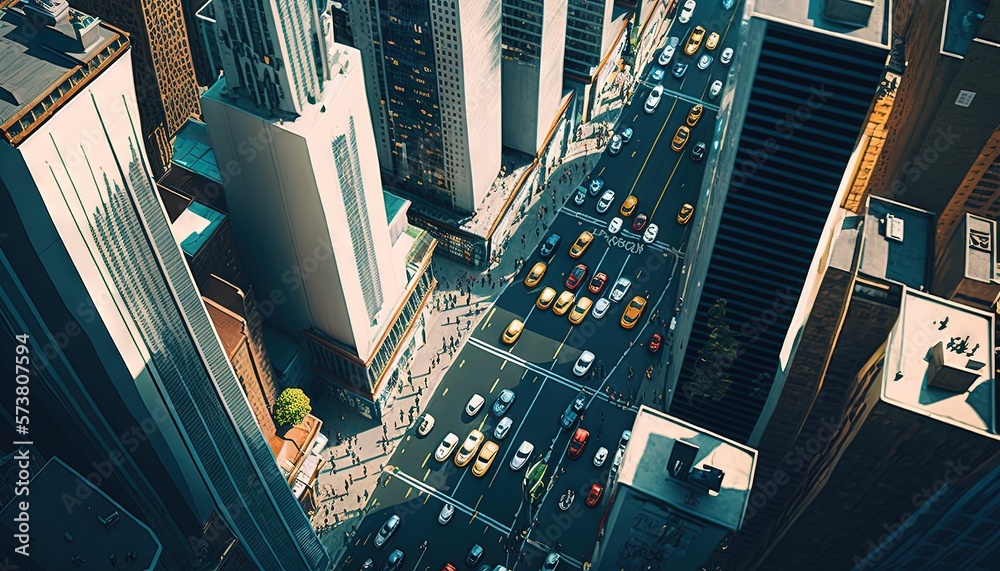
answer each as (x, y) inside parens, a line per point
(580, 310)
(692, 119)
(469, 448)
(566, 299)
(680, 138)
(581, 244)
(513, 331)
(713, 41)
(694, 40)
(545, 298)
(535, 275)
(633, 311)
(629, 205)
(684, 215)
(485, 460)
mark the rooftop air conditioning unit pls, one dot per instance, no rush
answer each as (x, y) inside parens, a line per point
(893, 228)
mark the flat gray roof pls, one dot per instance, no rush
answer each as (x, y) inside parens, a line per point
(809, 14)
(908, 261)
(644, 468)
(967, 334)
(962, 20)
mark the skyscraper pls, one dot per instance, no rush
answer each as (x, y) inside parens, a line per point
(586, 39)
(133, 387)
(432, 69)
(793, 122)
(534, 41)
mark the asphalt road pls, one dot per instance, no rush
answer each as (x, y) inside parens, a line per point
(490, 511)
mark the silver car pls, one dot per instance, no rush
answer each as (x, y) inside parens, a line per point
(522, 455)
(600, 308)
(605, 203)
(583, 364)
(388, 528)
(503, 427)
(620, 289)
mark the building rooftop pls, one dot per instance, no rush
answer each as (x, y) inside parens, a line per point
(195, 226)
(897, 243)
(644, 468)
(44, 66)
(980, 259)
(193, 150)
(70, 517)
(393, 204)
(962, 20)
(810, 14)
(967, 341)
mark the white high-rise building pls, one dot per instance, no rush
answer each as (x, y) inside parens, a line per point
(433, 76)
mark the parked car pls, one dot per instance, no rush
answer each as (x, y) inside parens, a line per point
(469, 448)
(694, 40)
(522, 455)
(503, 402)
(474, 405)
(715, 89)
(566, 299)
(583, 305)
(698, 152)
(580, 246)
(600, 308)
(621, 288)
(425, 424)
(680, 68)
(597, 282)
(388, 528)
(726, 57)
(550, 244)
(577, 443)
(624, 440)
(595, 495)
(580, 196)
(446, 447)
(535, 275)
(513, 331)
(545, 298)
(626, 135)
(615, 225)
(633, 311)
(447, 512)
(684, 215)
(654, 343)
(649, 236)
(576, 276)
(605, 202)
(687, 11)
(653, 99)
(727, 4)
(615, 146)
(583, 364)
(665, 56)
(601, 456)
(503, 427)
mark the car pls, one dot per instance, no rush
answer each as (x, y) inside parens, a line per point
(579, 401)
(545, 298)
(615, 146)
(605, 202)
(566, 299)
(694, 40)
(656, 76)
(640, 222)
(684, 214)
(551, 562)
(503, 427)
(595, 495)
(573, 410)
(680, 68)
(474, 405)
(449, 567)
(680, 138)
(583, 363)
(694, 114)
(577, 443)
(388, 528)
(617, 462)
(649, 236)
(503, 402)
(595, 186)
(513, 331)
(485, 459)
(535, 275)
(580, 196)
(568, 417)
(626, 134)
(712, 41)
(625, 437)
(600, 457)
(615, 225)
(600, 308)
(597, 282)
(522, 455)
(469, 448)
(629, 205)
(698, 152)
(583, 305)
(715, 89)
(686, 12)
(704, 61)
(654, 343)
(447, 512)
(475, 554)
(580, 246)
(576, 276)
(726, 57)
(665, 56)
(446, 447)
(621, 288)
(425, 424)
(633, 311)
(727, 4)
(394, 562)
(550, 244)
(653, 99)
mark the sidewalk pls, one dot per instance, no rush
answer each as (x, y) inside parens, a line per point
(356, 462)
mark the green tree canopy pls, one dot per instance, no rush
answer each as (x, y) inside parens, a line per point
(292, 407)
(711, 376)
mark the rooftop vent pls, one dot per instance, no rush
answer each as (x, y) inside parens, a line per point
(951, 370)
(893, 228)
(681, 459)
(710, 477)
(855, 12)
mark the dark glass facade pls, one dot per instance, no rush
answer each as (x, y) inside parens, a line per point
(584, 35)
(522, 30)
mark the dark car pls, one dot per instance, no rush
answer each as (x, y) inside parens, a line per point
(576, 276)
(551, 561)
(579, 402)
(654, 343)
(394, 562)
(388, 528)
(680, 68)
(580, 196)
(640, 222)
(568, 417)
(475, 554)
(550, 244)
(503, 402)
(656, 76)
(597, 283)
(698, 152)
(626, 134)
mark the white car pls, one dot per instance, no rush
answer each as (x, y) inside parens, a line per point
(687, 11)
(715, 90)
(705, 61)
(583, 363)
(595, 186)
(615, 225)
(446, 512)
(620, 289)
(605, 202)
(726, 57)
(666, 55)
(425, 425)
(522, 455)
(475, 405)
(601, 456)
(615, 146)
(446, 447)
(503, 427)
(600, 308)
(649, 236)
(653, 99)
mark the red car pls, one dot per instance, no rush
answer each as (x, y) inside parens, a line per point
(449, 567)
(577, 443)
(654, 343)
(576, 276)
(640, 222)
(595, 495)
(597, 284)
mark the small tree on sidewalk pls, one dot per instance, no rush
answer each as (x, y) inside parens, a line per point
(291, 408)
(710, 378)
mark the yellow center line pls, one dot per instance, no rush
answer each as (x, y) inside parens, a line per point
(680, 157)
(525, 374)
(445, 391)
(604, 167)
(503, 364)
(461, 364)
(563, 343)
(494, 387)
(535, 380)
(424, 463)
(427, 474)
(408, 492)
(489, 316)
(483, 422)
(653, 147)
(707, 85)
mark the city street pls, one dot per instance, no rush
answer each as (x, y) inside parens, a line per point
(492, 511)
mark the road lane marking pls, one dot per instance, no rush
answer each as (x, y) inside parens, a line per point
(524, 374)
(489, 316)
(513, 437)
(653, 147)
(445, 391)
(461, 364)
(432, 491)
(605, 166)
(495, 383)
(428, 473)
(408, 492)
(604, 255)
(561, 346)
(424, 463)
(502, 365)
(669, 178)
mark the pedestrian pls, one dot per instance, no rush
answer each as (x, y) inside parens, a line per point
(365, 469)
(359, 498)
